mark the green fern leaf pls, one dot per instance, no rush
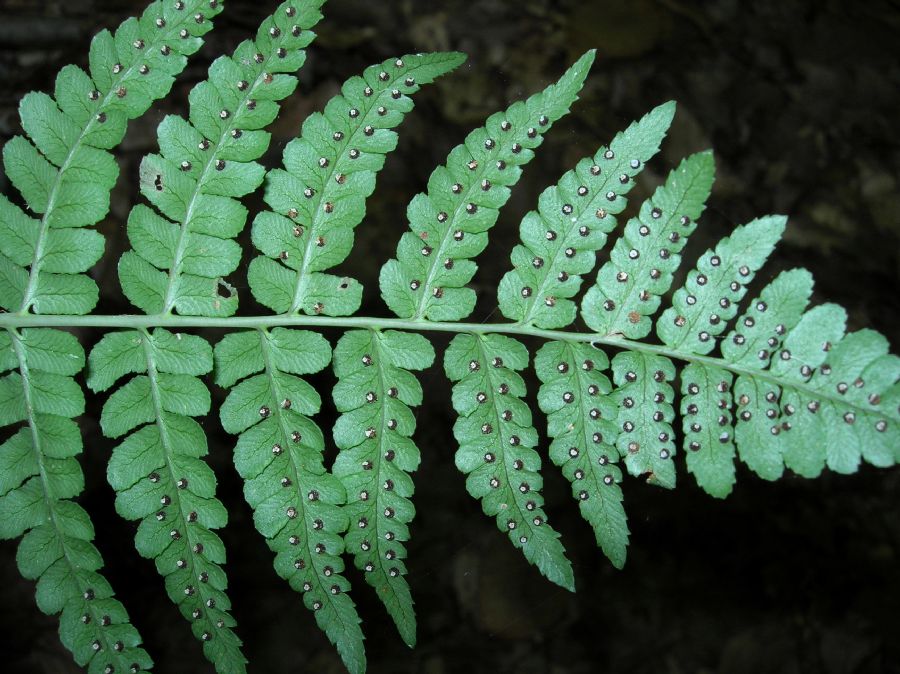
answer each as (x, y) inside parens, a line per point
(643, 260)
(496, 446)
(839, 393)
(644, 397)
(750, 343)
(63, 169)
(771, 382)
(574, 216)
(38, 474)
(581, 421)
(374, 393)
(296, 502)
(700, 312)
(319, 197)
(159, 478)
(706, 405)
(204, 166)
(449, 222)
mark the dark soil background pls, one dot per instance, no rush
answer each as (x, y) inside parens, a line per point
(800, 102)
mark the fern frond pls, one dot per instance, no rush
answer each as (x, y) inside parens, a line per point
(39, 474)
(701, 309)
(790, 390)
(62, 166)
(771, 382)
(205, 165)
(560, 239)
(450, 221)
(644, 258)
(374, 433)
(496, 446)
(319, 197)
(159, 477)
(296, 502)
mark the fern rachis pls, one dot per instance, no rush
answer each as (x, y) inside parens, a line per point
(768, 382)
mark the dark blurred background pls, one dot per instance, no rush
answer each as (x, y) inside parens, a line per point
(799, 99)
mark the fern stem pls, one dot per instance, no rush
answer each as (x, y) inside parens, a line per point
(12, 321)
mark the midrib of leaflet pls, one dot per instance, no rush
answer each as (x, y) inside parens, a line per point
(74, 568)
(166, 443)
(303, 274)
(324, 592)
(184, 230)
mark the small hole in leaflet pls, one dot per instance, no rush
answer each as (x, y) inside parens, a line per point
(224, 289)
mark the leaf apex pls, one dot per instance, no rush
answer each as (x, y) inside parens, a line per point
(456, 58)
(583, 64)
(665, 111)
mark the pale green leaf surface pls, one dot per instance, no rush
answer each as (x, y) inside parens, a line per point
(237, 355)
(206, 163)
(18, 233)
(296, 502)
(114, 356)
(706, 405)
(160, 480)
(581, 420)
(643, 261)
(496, 440)
(560, 239)
(377, 455)
(449, 222)
(127, 408)
(761, 327)
(716, 286)
(329, 171)
(757, 334)
(645, 396)
(55, 394)
(72, 294)
(181, 353)
(52, 351)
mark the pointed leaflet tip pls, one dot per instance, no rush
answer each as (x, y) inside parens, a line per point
(455, 59)
(575, 76)
(427, 67)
